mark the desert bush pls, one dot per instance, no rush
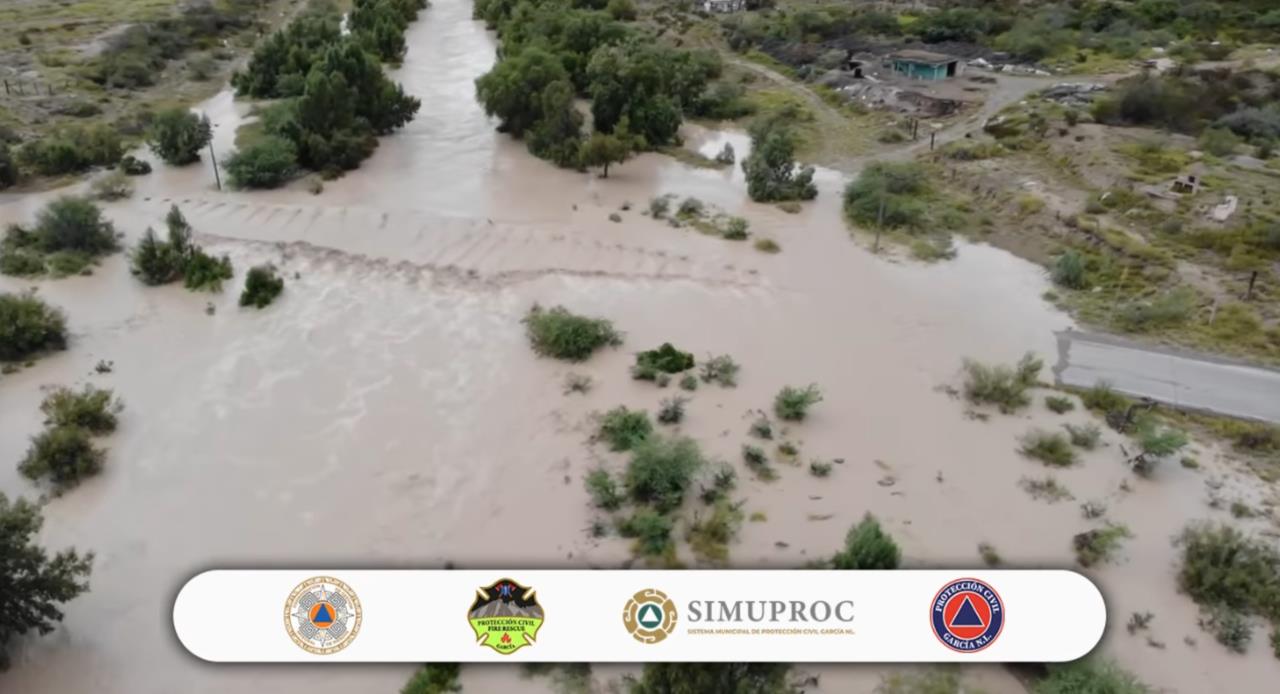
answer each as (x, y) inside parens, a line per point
(71, 150)
(1097, 546)
(91, 409)
(261, 286)
(113, 186)
(819, 468)
(63, 455)
(689, 382)
(661, 470)
(792, 404)
(177, 136)
(771, 170)
(720, 369)
(1046, 488)
(1220, 142)
(671, 411)
(664, 359)
(155, 262)
(1155, 441)
(1229, 627)
(1000, 385)
(203, 272)
(29, 326)
(1089, 676)
(1049, 448)
(604, 490)
(720, 482)
(1069, 271)
(990, 556)
(623, 429)
(761, 427)
(897, 188)
(767, 246)
(651, 531)
(1102, 397)
(267, 163)
(73, 224)
(133, 166)
(659, 206)
(735, 229)
(1167, 310)
(758, 462)
(557, 333)
(867, 547)
(1223, 566)
(21, 262)
(1085, 436)
(1059, 404)
(709, 536)
(577, 383)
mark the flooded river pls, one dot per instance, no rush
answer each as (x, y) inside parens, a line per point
(387, 411)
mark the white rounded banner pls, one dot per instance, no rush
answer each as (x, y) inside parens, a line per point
(330, 615)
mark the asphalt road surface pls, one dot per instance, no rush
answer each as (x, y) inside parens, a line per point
(1181, 379)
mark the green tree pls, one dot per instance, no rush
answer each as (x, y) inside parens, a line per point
(73, 224)
(512, 90)
(33, 585)
(771, 170)
(887, 194)
(724, 678)
(557, 134)
(268, 163)
(868, 547)
(155, 262)
(601, 150)
(177, 136)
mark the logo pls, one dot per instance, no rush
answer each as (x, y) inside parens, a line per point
(650, 616)
(506, 616)
(967, 615)
(322, 615)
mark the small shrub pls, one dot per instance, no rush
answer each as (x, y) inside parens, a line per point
(767, 246)
(29, 326)
(155, 262)
(690, 207)
(721, 369)
(261, 286)
(623, 429)
(709, 536)
(1045, 489)
(1167, 310)
(651, 531)
(1069, 271)
(1103, 398)
(989, 555)
(1059, 404)
(133, 166)
(792, 404)
(1275, 641)
(1093, 510)
(433, 678)
(72, 224)
(92, 409)
(64, 455)
(1094, 547)
(1230, 628)
(20, 262)
(560, 334)
(1154, 443)
(661, 471)
(758, 462)
(659, 207)
(867, 547)
(603, 490)
(203, 272)
(1000, 385)
(736, 229)
(689, 382)
(671, 411)
(1222, 566)
(577, 383)
(762, 427)
(113, 186)
(819, 468)
(1085, 436)
(1048, 448)
(664, 359)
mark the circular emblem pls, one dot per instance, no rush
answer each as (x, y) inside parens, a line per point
(967, 615)
(649, 615)
(322, 615)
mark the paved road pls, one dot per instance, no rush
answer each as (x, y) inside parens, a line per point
(1191, 381)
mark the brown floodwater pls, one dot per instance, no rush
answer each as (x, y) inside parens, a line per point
(388, 412)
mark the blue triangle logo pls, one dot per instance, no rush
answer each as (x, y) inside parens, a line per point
(323, 616)
(967, 616)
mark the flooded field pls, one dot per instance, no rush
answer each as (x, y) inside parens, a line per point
(388, 411)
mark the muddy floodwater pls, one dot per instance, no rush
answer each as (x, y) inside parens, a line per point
(387, 411)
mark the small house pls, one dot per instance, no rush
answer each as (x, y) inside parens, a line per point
(723, 6)
(924, 65)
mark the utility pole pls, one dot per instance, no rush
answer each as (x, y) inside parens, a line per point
(214, 158)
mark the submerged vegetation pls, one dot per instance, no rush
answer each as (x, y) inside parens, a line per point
(69, 235)
(555, 332)
(1002, 386)
(157, 262)
(29, 327)
(64, 454)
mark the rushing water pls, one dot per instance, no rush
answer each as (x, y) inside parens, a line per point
(387, 412)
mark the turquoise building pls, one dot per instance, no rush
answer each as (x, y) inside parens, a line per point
(924, 65)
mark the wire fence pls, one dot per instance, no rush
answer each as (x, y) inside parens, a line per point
(21, 87)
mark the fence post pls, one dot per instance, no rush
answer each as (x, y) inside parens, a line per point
(6, 87)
